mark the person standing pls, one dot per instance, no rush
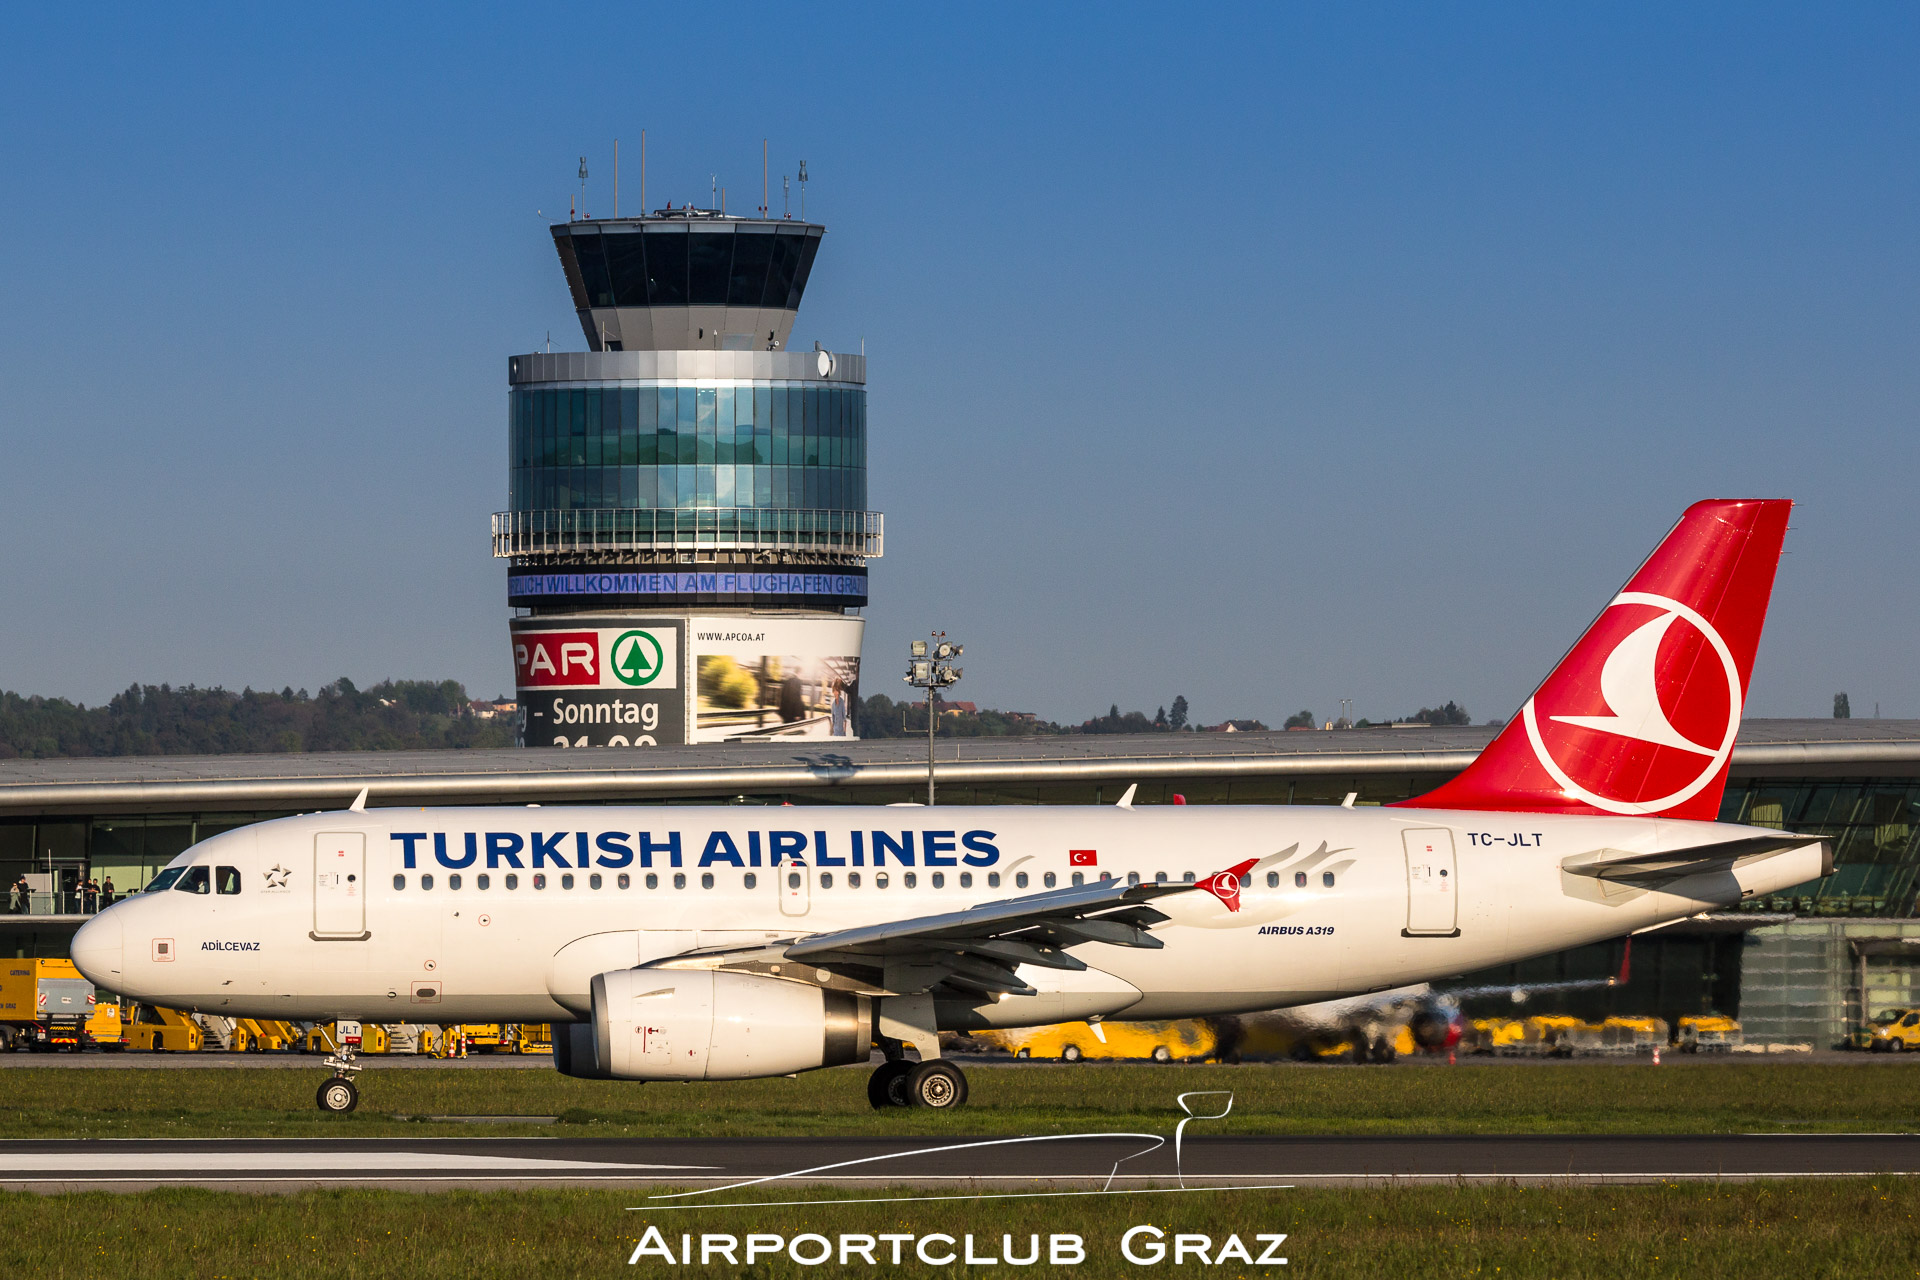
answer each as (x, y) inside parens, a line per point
(106, 892)
(22, 896)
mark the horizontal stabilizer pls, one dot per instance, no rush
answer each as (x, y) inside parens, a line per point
(1647, 870)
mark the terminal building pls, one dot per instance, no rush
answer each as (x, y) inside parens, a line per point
(1801, 967)
(687, 532)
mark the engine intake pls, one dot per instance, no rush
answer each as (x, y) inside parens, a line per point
(704, 1024)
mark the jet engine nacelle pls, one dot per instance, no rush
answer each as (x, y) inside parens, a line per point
(703, 1024)
(1436, 1027)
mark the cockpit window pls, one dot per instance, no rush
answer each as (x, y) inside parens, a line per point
(195, 880)
(226, 879)
(164, 881)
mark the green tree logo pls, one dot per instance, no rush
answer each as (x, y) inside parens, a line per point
(637, 658)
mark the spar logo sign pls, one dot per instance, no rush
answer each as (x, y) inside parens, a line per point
(637, 658)
(604, 658)
(1657, 723)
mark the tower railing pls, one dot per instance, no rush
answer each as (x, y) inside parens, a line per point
(630, 529)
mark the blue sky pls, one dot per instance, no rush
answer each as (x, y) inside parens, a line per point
(1269, 355)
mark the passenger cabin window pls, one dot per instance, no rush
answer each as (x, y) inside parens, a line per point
(1273, 879)
(1299, 879)
(879, 879)
(1186, 878)
(594, 881)
(1078, 878)
(623, 881)
(1133, 877)
(679, 880)
(539, 879)
(1326, 878)
(513, 881)
(826, 879)
(966, 879)
(1159, 877)
(164, 881)
(993, 879)
(706, 880)
(426, 881)
(911, 880)
(1049, 880)
(939, 879)
(483, 881)
(853, 880)
(751, 880)
(793, 879)
(566, 881)
(399, 882)
(653, 881)
(1019, 879)
(196, 880)
(453, 881)
(226, 879)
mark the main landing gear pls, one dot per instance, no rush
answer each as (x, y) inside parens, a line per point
(937, 1084)
(339, 1095)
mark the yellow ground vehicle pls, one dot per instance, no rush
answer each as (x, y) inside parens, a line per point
(164, 1031)
(107, 1029)
(1631, 1034)
(484, 1035)
(44, 1005)
(532, 1037)
(1189, 1040)
(1708, 1033)
(260, 1035)
(1894, 1031)
(1504, 1037)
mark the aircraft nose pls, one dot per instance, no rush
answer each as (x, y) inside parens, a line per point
(97, 949)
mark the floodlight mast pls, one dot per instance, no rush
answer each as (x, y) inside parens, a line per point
(930, 667)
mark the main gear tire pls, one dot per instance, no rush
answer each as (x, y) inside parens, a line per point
(937, 1086)
(887, 1086)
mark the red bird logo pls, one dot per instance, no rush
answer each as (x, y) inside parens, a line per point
(1225, 885)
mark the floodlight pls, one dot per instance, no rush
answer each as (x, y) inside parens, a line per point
(918, 649)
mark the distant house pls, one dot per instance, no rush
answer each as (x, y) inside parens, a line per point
(491, 710)
(1025, 717)
(959, 709)
(1235, 726)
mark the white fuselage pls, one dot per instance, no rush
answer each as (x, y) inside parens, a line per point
(334, 916)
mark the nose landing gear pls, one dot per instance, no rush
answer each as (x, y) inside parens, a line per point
(339, 1095)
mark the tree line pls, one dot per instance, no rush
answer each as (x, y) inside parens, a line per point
(148, 720)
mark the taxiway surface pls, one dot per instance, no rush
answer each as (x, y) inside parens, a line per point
(988, 1164)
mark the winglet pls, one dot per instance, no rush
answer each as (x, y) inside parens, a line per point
(1126, 801)
(1626, 965)
(359, 804)
(1225, 885)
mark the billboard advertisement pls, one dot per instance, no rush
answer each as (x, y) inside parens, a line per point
(767, 678)
(600, 682)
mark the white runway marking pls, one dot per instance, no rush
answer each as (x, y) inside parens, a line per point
(57, 1162)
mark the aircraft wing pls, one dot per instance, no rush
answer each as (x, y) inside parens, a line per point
(1648, 870)
(976, 950)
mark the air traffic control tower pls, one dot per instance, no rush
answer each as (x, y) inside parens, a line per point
(688, 532)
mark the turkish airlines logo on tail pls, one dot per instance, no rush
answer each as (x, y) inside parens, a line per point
(1661, 723)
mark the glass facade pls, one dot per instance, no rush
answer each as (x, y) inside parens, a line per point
(1871, 825)
(768, 445)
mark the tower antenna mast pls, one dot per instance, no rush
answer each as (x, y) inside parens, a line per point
(803, 189)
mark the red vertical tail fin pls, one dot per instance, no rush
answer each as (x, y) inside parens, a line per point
(1640, 716)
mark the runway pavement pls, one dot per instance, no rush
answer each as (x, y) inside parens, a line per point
(989, 1164)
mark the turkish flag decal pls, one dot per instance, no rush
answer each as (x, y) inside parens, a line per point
(1083, 858)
